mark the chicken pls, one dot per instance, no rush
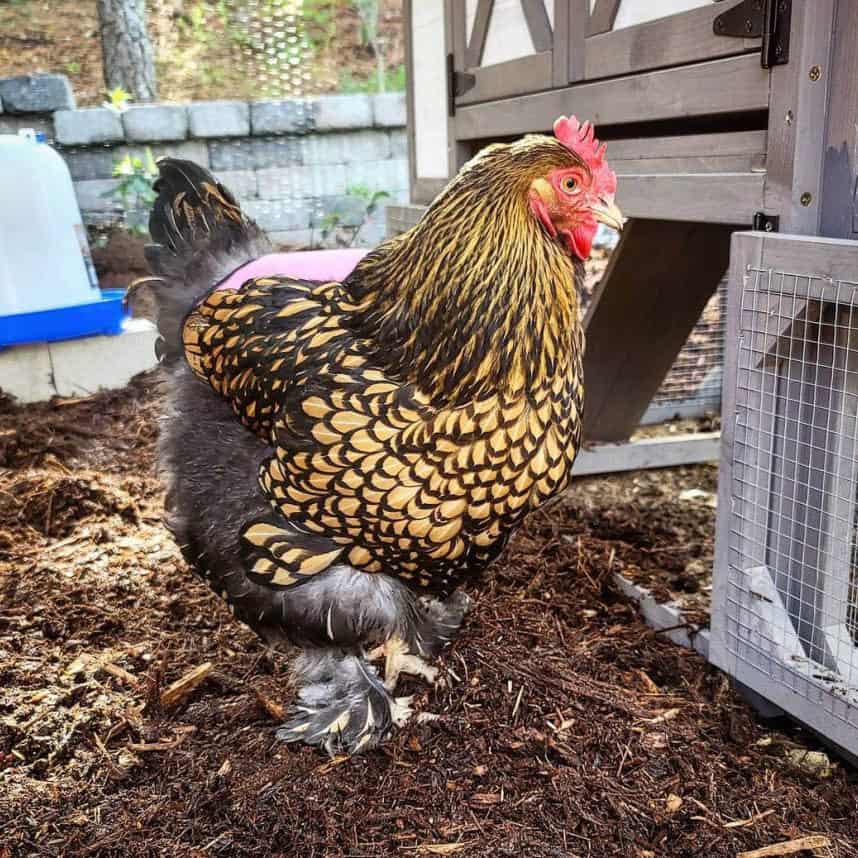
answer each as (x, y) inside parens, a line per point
(341, 457)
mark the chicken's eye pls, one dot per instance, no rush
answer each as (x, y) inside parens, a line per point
(569, 184)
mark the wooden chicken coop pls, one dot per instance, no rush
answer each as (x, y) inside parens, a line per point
(718, 116)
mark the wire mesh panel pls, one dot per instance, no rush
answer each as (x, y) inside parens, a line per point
(785, 601)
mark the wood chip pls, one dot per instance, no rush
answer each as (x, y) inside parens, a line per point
(672, 803)
(751, 820)
(274, 709)
(441, 848)
(182, 687)
(788, 847)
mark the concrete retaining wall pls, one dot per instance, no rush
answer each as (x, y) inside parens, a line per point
(289, 162)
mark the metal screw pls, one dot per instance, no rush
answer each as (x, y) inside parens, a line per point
(749, 25)
(768, 226)
(815, 73)
(806, 199)
(789, 117)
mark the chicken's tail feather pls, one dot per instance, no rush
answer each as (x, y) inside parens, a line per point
(200, 236)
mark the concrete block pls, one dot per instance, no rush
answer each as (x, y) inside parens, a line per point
(345, 148)
(389, 175)
(336, 112)
(36, 93)
(293, 239)
(242, 183)
(277, 216)
(388, 110)
(93, 195)
(192, 150)
(219, 119)
(398, 144)
(287, 116)
(10, 124)
(96, 163)
(253, 154)
(78, 367)
(310, 180)
(88, 126)
(351, 210)
(155, 122)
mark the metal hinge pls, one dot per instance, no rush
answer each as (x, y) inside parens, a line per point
(458, 83)
(755, 19)
(765, 222)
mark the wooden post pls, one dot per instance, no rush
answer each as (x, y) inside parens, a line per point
(797, 110)
(840, 170)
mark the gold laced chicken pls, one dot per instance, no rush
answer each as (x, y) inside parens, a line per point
(341, 456)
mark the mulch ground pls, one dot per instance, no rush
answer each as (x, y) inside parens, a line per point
(566, 727)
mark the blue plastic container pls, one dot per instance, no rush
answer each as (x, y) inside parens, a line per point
(104, 316)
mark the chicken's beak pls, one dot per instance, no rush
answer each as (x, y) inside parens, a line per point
(607, 212)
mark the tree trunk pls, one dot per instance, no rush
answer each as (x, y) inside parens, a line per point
(126, 50)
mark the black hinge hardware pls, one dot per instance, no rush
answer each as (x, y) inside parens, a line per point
(755, 19)
(765, 222)
(458, 83)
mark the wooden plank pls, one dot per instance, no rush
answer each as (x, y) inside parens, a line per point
(683, 38)
(825, 258)
(705, 197)
(689, 145)
(840, 170)
(733, 85)
(569, 67)
(658, 280)
(689, 165)
(648, 453)
(602, 17)
(477, 41)
(538, 24)
(455, 19)
(514, 77)
(797, 119)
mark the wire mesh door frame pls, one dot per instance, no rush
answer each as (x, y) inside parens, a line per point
(784, 583)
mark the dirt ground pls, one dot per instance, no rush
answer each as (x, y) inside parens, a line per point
(566, 726)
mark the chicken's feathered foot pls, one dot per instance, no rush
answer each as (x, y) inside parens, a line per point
(342, 706)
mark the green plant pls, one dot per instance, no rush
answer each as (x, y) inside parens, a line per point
(345, 221)
(134, 189)
(394, 80)
(73, 67)
(119, 98)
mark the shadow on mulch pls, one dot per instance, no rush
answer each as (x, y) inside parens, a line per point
(565, 728)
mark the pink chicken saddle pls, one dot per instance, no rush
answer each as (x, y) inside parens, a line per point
(322, 265)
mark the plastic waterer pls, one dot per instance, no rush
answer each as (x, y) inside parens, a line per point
(48, 286)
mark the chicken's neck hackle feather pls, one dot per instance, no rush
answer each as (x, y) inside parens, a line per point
(474, 298)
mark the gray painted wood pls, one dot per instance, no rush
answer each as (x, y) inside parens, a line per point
(400, 218)
(515, 77)
(686, 37)
(538, 24)
(750, 143)
(797, 119)
(840, 172)
(729, 85)
(570, 68)
(655, 287)
(477, 41)
(703, 197)
(648, 453)
(602, 17)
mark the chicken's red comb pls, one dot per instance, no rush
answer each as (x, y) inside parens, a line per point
(581, 139)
